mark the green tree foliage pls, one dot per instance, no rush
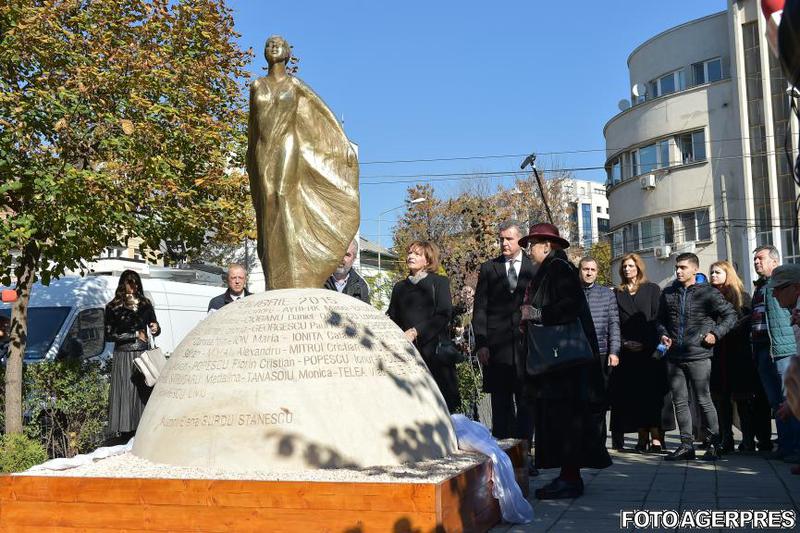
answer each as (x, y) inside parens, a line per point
(117, 118)
(19, 452)
(67, 405)
(601, 251)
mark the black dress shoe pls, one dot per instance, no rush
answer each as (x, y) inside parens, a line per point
(713, 453)
(747, 446)
(642, 447)
(559, 489)
(684, 451)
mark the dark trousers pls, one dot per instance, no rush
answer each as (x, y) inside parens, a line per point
(511, 416)
(698, 373)
(756, 419)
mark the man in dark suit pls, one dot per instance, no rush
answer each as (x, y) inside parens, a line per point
(498, 297)
(237, 288)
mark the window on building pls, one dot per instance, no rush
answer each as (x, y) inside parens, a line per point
(667, 84)
(599, 209)
(669, 230)
(692, 146)
(688, 227)
(647, 233)
(693, 226)
(633, 163)
(616, 244)
(648, 159)
(602, 229)
(703, 225)
(663, 154)
(707, 71)
(630, 237)
(586, 237)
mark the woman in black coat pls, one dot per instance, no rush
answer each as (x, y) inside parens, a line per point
(640, 393)
(128, 318)
(422, 307)
(734, 377)
(568, 405)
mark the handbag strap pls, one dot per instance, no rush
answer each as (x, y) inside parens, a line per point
(151, 341)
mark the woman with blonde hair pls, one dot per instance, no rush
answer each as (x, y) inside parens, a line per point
(421, 305)
(734, 377)
(640, 399)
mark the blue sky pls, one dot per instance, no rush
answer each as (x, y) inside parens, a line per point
(444, 79)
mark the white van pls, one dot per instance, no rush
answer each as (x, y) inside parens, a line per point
(66, 318)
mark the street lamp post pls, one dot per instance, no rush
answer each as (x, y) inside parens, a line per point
(380, 216)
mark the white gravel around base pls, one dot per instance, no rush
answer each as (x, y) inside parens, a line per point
(130, 466)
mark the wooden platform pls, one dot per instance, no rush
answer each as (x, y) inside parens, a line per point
(461, 503)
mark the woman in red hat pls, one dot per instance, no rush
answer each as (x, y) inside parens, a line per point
(568, 405)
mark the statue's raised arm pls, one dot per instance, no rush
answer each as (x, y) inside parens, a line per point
(303, 177)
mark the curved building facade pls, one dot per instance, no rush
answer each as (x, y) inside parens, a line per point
(697, 164)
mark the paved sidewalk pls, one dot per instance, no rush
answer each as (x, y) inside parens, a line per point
(648, 482)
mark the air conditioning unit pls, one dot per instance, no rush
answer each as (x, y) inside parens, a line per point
(648, 182)
(662, 252)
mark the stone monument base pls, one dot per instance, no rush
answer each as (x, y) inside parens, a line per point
(461, 502)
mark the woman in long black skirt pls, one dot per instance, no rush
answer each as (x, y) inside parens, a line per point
(128, 318)
(568, 405)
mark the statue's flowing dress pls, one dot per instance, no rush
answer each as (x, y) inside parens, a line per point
(304, 183)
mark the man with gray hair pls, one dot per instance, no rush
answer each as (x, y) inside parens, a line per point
(237, 288)
(346, 280)
(498, 296)
(774, 343)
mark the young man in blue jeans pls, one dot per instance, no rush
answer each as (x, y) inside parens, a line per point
(692, 317)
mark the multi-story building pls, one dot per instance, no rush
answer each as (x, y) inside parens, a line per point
(696, 160)
(588, 211)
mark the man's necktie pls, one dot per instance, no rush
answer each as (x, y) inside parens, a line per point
(512, 276)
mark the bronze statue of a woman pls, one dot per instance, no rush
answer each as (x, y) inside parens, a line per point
(303, 177)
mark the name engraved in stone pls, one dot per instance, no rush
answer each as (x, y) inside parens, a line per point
(351, 372)
(315, 373)
(259, 352)
(345, 347)
(228, 377)
(274, 375)
(326, 360)
(182, 379)
(276, 363)
(181, 394)
(291, 326)
(306, 347)
(230, 419)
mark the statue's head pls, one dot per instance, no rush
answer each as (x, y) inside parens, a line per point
(277, 50)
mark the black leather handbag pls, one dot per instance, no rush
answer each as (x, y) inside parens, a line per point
(556, 347)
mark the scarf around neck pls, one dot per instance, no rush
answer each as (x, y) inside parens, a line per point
(419, 276)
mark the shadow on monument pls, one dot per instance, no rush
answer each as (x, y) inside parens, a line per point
(425, 439)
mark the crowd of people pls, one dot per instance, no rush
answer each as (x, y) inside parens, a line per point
(689, 357)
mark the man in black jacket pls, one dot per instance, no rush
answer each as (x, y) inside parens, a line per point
(346, 280)
(692, 317)
(498, 340)
(237, 288)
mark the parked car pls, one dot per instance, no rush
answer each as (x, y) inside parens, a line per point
(66, 318)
